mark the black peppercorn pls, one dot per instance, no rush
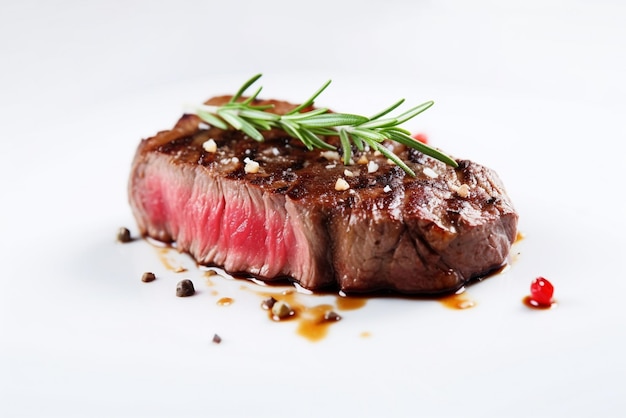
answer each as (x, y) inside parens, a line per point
(332, 316)
(268, 303)
(185, 288)
(123, 235)
(148, 277)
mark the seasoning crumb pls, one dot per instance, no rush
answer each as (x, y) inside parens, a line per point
(341, 184)
(430, 172)
(180, 269)
(148, 277)
(372, 167)
(185, 288)
(251, 167)
(331, 155)
(463, 190)
(210, 146)
(123, 235)
(348, 173)
(332, 316)
(387, 189)
(216, 339)
(281, 310)
(362, 160)
(268, 303)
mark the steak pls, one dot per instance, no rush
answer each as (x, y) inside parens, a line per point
(388, 231)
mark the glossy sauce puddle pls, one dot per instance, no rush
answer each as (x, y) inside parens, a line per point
(311, 318)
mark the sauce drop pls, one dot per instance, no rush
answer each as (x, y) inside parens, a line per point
(225, 301)
(457, 301)
(350, 303)
(531, 303)
(312, 322)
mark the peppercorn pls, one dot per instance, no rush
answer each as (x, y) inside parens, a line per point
(268, 303)
(185, 288)
(148, 277)
(332, 316)
(123, 235)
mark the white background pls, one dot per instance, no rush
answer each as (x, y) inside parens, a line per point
(532, 88)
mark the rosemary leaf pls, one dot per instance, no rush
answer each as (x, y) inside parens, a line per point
(244, 87)
(300, 116)
(315, 140)
(393, 157)
(241, 124)
(211, 119)
(379, 123)
(253, 97)
(254, 114)
(420, 146)
(345, 144)
(310, 100)
(358, 142)
(332, 131)
(261, 124)
(230, 118)
(294, 131)
(369, 134)
(387, 110)
(411, 113)
(333, 119)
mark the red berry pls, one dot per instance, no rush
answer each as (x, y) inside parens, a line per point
(421, 138)
(541, 291)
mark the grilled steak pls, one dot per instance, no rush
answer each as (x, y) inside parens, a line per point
(427, 234)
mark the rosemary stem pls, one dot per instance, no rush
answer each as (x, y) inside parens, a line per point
(312, 126)
(203, 107)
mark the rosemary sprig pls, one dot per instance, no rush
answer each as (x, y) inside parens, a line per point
(311, 127)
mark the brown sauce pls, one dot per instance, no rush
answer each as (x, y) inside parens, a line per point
(350, 303)
(457, 301)
(313, 320)
(530, 303)
(225, 301)
(168, 263)
(313, 324)
(460, 300)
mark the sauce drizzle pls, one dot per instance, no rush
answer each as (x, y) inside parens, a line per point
(457, 301)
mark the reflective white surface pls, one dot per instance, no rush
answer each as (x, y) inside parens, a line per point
(531, 90)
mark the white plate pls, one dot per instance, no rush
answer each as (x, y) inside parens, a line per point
(82, 335)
